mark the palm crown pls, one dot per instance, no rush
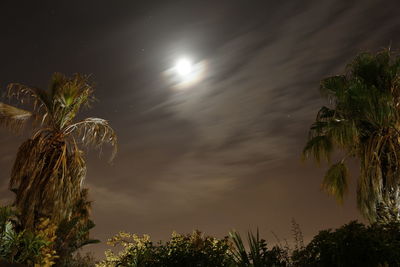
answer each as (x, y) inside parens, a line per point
(49, 169)
(363, 121)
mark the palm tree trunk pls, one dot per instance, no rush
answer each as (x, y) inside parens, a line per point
(388, 208)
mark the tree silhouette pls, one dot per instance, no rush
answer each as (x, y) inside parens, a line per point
(363, 122)
(49, 168)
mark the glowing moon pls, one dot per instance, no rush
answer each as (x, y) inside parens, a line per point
(184, 67)
(185, 73)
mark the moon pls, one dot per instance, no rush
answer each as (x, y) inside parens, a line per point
(185, 73)
(184, 67)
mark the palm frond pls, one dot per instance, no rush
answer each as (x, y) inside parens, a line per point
(239, 252)
(257, 254)
(47, 177)
(56, 83)
(325, 113)
(333, 87)
(38, 98)
(335, 181)
(68, 96)
(369, 187)
(13, 118)
(344, 133)
(373, 69)
(94, 132)
(256, 246)
(319, 147)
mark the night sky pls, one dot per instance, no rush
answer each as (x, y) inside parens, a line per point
(221, 153)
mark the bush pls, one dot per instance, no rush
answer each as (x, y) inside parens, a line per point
(193, 250)
(353, 245)
(23, 246)
(181, 250)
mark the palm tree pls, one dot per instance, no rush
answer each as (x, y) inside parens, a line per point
(49, 169)
(363, 122)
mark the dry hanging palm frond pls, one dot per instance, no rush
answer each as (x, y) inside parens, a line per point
(24, 94)
(47, 178)
(93, 132)
(13, 118)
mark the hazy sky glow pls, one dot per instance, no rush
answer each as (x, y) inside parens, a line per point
(214, 145)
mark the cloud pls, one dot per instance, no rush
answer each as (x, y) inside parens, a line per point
(250, 113)
(261, 90)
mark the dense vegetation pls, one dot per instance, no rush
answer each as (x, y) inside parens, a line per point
(49, 220)
(353, 244)
(180, 250)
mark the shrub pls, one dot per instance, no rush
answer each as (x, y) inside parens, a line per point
(353, 245)
(23, 246)
(181, 250)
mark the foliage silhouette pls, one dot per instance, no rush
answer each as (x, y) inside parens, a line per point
(353, 245)
(362, 121)
(194, 250)
(258, 254)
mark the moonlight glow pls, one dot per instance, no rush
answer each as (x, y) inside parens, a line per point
(183, 67)
(185, 73)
